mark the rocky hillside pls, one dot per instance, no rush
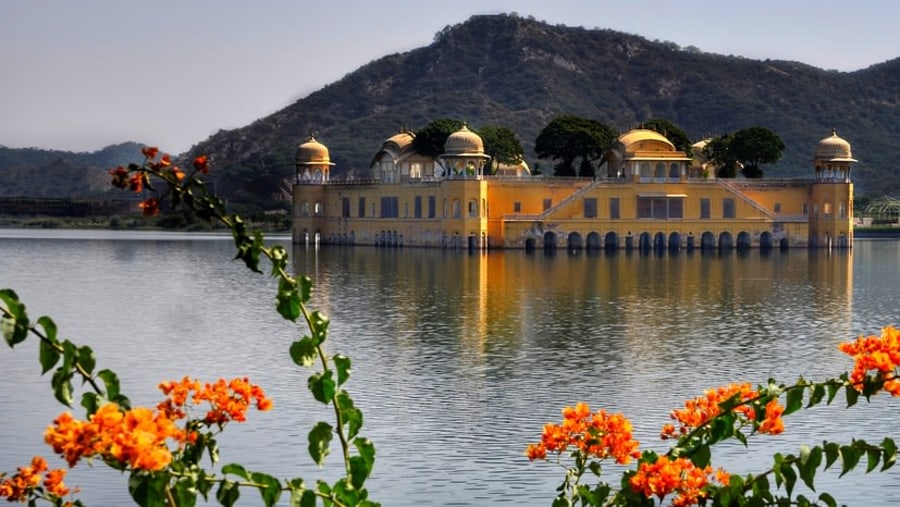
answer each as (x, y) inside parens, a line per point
(519, 73)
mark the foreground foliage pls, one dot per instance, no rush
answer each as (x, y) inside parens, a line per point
(165, 449)
(684, 474)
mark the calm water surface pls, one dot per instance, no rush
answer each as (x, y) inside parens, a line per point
(458, 359)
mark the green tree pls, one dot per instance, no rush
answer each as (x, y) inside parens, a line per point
(567, 138)
(754, 147)
(718, 151)
(748, 149)
(502, 145)
(430, 140)
(673, 133)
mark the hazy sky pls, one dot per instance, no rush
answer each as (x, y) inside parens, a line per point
(80, 75)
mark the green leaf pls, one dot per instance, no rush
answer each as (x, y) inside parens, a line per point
(852, 395)
(350, 415)
(271, 490)
(810, 459)
(701, 456)
(342, 365)
(320, 442)
(818, 393)
(873, 456)
(236, 469)
(832, 453)
(366, 450)
(305, 286)
(228, 493)
(833, 388)
(147, 489)
(62, 386)
(890, 453)
(111, 382)
(91, 402)
(849, 458)
(185, 493)
(345, 493)
(86, 359)
(307, 499)
(304, 352)
(794, 401)
(288, 302)
(48, 353)
(828, 500)
(15, 325)
(722, 427)
(48, 356)
(789, 476)
(322, 386)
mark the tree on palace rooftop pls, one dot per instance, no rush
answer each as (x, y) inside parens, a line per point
(748, 148)
(502, 145)
(567, 138)
(430, 140)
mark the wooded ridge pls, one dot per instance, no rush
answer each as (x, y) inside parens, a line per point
(515, 72)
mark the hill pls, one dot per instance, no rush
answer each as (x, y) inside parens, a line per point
(34, 172)
(506, 70)
(516, 72)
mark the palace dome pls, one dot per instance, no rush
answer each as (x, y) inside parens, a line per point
(312, 152)
(641, 138)
(834, 149)
(464, 142)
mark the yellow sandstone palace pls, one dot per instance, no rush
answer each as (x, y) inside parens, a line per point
(647, 195)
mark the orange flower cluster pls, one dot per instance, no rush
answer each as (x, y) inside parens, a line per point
(135, 438)
(878, 354)
(149, 207)
(679, 476)
(701, 410)
(229, 401)
(20, 486)
(201, 164)
(597, 434)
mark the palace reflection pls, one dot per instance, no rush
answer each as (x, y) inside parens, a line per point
(498, 299)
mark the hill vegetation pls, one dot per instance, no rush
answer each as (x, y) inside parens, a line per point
(519, 73)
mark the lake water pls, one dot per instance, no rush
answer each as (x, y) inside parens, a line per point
(458, 358)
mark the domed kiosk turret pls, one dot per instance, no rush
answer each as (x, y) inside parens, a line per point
(833, 159)
(464, 154)
(312, 162)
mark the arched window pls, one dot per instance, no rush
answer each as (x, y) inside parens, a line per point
(645, 170)
(660, 171)
(674, 170)
(473, 208)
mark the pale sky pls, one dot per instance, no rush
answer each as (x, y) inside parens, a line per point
(80, 75)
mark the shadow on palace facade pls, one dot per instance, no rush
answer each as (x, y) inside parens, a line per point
(647, 195)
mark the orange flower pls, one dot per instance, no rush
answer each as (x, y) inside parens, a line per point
(599, 434)
(229, 401)
(772, 424)
(177, 173)
(150, 207)
(880, 355)
(119, 177)
(679, 476)
(150, 152)
(701, 410)
(20, 486)
(201, 164)
(136, 438)
(137, 180)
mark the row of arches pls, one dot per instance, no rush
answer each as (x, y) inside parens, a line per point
(658, 241)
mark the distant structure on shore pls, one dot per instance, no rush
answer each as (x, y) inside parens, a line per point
(650, 196)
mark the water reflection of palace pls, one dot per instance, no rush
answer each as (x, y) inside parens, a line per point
(485, 299)
(648, 196)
